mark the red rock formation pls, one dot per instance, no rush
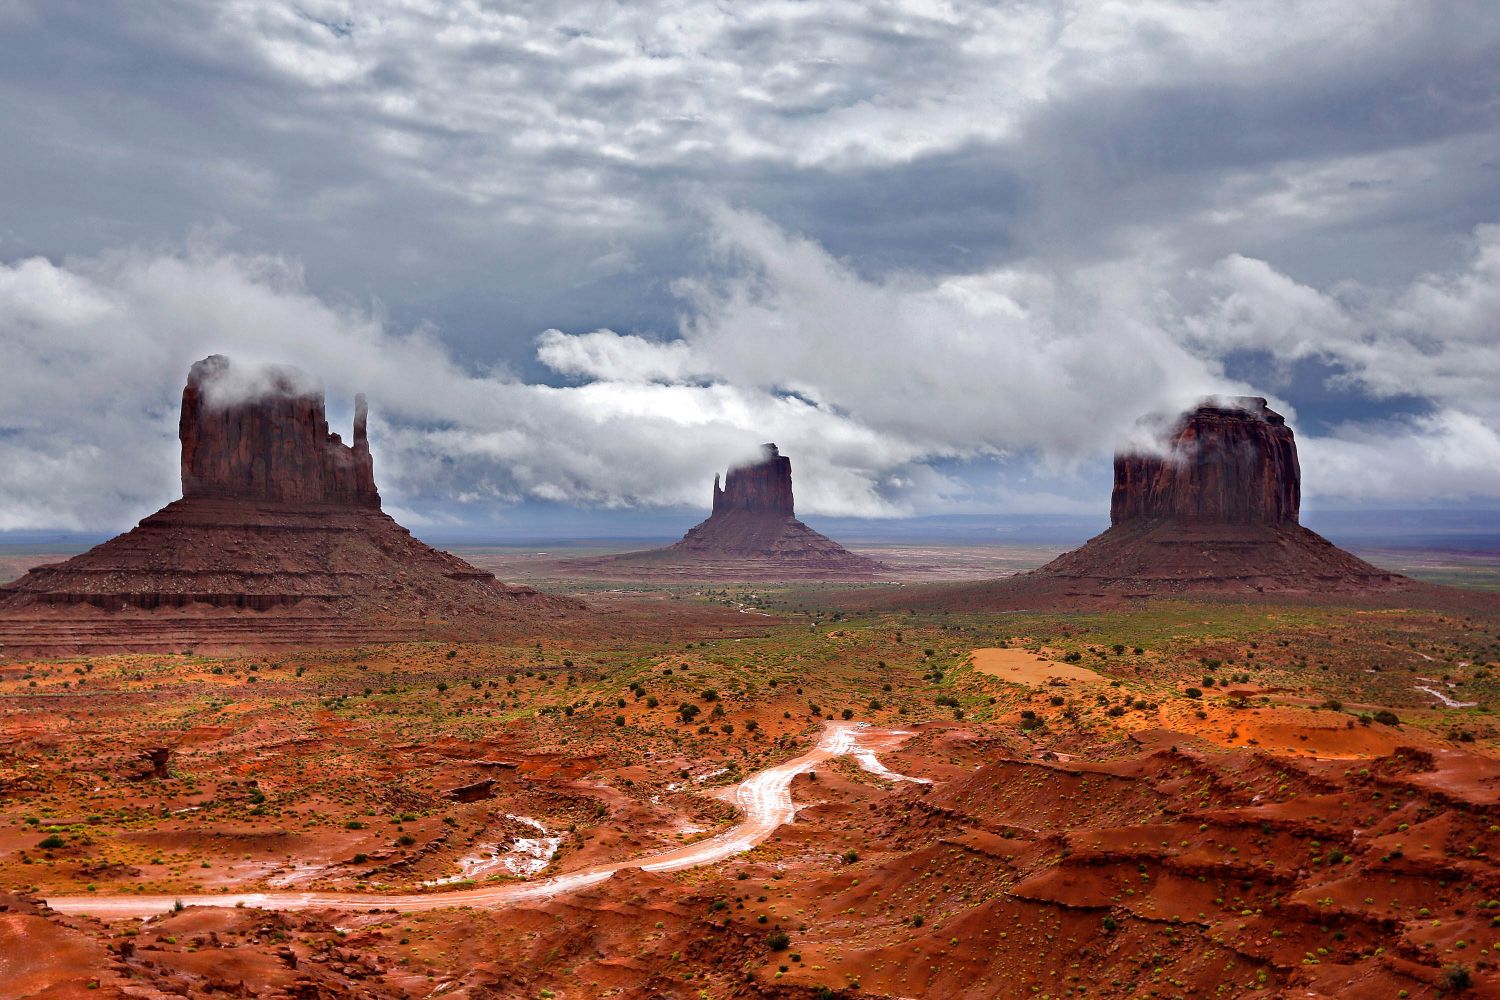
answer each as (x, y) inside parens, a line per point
(278, 540)
(751, 533)
(1230, 462)
(1215, 511)
(262, 435)
(763, 487)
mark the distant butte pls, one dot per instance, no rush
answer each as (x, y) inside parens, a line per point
(752, 532)
(278, 540)
(1214, 510)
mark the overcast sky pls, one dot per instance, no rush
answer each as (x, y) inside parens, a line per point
(586, 254)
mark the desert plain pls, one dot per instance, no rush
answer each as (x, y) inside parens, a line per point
(759, 790)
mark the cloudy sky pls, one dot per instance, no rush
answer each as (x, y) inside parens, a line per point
(582, 255)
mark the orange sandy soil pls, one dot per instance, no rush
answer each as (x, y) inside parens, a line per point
(1032, 667)
(1081, 835)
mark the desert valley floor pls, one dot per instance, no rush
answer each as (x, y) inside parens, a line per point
(773, 794)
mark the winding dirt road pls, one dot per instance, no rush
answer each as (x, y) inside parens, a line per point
(765, 798)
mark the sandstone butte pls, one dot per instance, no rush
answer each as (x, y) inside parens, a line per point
(1213, 509)
(279, 539)
(752, 532)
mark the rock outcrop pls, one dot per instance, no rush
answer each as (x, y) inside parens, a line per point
(752, 532)
(1215, 509)
(1212, 509)
(278, 540)
(262, 435)
(763, 487)
(1229, 461)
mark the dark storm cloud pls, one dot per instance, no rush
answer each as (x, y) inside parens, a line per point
(1126, 204)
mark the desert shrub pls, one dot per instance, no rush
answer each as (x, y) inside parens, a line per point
(1456, 978)
(1193, 693)
(1387, 718)
(778, 940)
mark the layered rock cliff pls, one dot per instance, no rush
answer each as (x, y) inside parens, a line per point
(1212, 509)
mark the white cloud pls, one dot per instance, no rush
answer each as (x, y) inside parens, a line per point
(868, 384)
(608, 356)
(1447, 455)
(1437, 338)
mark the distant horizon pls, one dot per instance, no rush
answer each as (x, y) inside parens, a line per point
(1431, 528)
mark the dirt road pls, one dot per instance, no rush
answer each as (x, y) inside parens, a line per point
(765, 798)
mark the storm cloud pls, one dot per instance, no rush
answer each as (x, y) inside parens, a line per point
(584, 253)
